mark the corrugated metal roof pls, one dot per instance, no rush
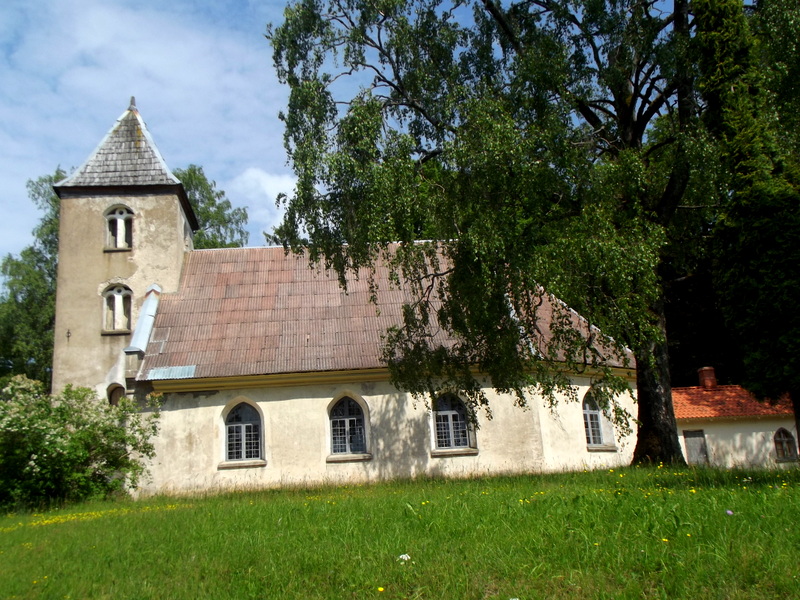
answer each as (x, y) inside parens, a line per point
(725, 402)
(184, 372)
(126, 156)
(259, 311)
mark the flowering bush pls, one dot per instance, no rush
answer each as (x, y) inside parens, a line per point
(70, 446)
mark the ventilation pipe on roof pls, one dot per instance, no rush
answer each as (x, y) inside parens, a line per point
(708, 379)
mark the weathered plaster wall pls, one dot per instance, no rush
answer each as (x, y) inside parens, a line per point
(87, 357)
(564, 436)
(741, 442)
(296, 435)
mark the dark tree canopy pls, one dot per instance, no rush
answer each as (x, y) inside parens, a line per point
(221, 225)
(543, 145)
(757, 237)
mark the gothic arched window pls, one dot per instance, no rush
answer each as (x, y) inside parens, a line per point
(785, 446)
(243, 433)
(348, 435)
(592, 419)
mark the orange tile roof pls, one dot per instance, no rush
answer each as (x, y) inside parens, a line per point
(259, 311)
(725, 402)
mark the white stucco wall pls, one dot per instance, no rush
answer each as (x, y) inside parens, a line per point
(296, 439)
(740, 442)
(564, 438)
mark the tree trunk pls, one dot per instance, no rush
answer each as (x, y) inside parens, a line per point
(658, 431)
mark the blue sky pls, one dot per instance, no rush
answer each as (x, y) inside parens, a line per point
(202, 75)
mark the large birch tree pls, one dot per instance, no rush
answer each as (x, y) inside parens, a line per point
(545, 146)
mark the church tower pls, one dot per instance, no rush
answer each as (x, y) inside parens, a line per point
(125, 227)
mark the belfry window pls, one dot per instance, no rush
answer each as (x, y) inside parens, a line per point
(119, 228)
(117, 308)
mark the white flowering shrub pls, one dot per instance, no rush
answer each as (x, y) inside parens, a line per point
(71, 446)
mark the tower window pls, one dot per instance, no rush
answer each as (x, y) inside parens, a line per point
(119, 229)
(117, 308)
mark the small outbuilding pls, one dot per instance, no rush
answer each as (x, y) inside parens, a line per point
(726, 426)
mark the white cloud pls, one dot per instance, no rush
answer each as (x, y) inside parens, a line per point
(201, 73)
(258, 190)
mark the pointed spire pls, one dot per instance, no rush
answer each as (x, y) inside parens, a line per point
(127, 156)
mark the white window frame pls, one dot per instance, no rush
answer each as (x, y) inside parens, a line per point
(246, 433)
(119, 228)
(117, 308)
(597, 427)
(348, 427)
(452, 431)
(592, 421)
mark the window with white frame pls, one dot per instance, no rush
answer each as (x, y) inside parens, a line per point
(592, 421)
(451, 422)
(785, 446)
(117, 308)
(348, 435)
(119, 228)
(243, 433)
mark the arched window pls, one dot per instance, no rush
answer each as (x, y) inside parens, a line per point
(592, 421)
(115, 394)
(243, 433)
(348, 435)
(785, 446)
(119, 228)
(452, 423)
(117, 308)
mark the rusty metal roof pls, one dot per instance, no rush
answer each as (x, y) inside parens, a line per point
(255, 311)
(259, 311)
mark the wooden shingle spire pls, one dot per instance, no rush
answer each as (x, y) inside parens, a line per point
(127, 157)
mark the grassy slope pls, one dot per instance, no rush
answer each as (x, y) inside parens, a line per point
(632, 533)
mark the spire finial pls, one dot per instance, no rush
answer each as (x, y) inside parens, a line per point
(133, 103)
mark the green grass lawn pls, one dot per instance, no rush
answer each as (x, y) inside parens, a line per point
(630, 533)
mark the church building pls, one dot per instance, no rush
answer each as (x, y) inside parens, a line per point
(269, 373)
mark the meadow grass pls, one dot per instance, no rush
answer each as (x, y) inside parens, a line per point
(625, 533)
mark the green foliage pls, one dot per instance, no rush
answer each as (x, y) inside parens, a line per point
(27, 303)
(622, 533)
(68, 447)
(756, 243)
(541, 146)
(221, 225)
(776, 25)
